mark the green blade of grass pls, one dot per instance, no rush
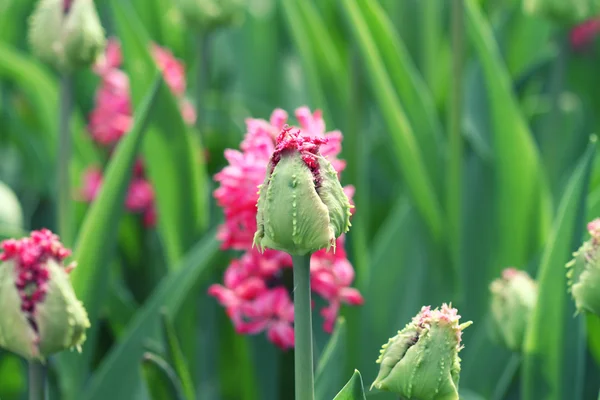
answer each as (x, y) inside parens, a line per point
(328, 374)
(120, 364)
(175, 356)
(97, 239)
(161, 380)
(410, 87)
(353, 390)
(172, 153)
(521, 193)
(410, 157)
(552, 334)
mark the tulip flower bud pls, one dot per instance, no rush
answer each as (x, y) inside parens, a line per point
(513, 298)
(569, 12)
(302, 207)
(40, 313)
(208, 15)
(421, 362)
(584, 272)
(11, 214)
(66, 33)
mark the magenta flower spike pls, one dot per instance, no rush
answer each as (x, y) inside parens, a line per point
(41, 314)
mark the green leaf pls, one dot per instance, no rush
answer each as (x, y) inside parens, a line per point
(522, 196)
(161, 380)
(97, 238)
(552, 336)
(354, 389)
(120, 364)
(413, 93)
(175, 356)
(410, 156)
(328, 375)
(171, 151)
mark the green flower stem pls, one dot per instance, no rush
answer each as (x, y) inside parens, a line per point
(63, 210)
(37, 380)
(303, 359)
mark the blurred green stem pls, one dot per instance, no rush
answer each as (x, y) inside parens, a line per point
(507, 376)
(303, 354)
(202, 76)
(63, 210)
(37, 380)
(455, 157)
(430, 32)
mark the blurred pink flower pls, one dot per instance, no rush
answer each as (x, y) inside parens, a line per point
(140, 195)
(112, 118)
(260, 309)
(584, 34)
(92, 180)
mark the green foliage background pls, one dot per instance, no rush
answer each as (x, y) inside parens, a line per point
(456, 176)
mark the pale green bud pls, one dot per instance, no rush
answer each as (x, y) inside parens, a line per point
(208, 15)
(302, 207)
(513, 297)
(584, 272)
(565, 11)
(421, 362)
(66, 33)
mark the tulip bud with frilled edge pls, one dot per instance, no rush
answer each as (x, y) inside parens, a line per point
(565, 11)
(302, 207)
(66, 33)
(584, 272)
(210, 14)
(40, 313)
(421, 362)
(513, 298)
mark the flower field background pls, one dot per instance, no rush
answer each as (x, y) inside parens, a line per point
(462, 132)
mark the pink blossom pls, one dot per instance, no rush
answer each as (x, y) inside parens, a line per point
(140, 195)
(584, 34)
(92, 180)
(171, 68)
(332, 274)
(271, 311)
(110, 60)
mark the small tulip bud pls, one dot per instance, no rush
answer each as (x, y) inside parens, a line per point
(513, 298)
(40, 313)
(584, 272)
(66, 33)
(569, 12)
(302, 207)
(421, 362)
(208, 15)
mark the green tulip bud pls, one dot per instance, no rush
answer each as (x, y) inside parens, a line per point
(421, 362)
(66, 33)
(565, 11)
(302, 207)
(208, 15)
(513, 298)
(584, 272)
(41, 315)
(11, 213)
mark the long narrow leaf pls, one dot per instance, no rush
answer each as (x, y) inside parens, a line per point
(548, 359)
(410, 157)
(327, 375)
(97, 239)
(120, 365)
(172, 153)
(161, 380)
(522, 195)
(354, 389)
